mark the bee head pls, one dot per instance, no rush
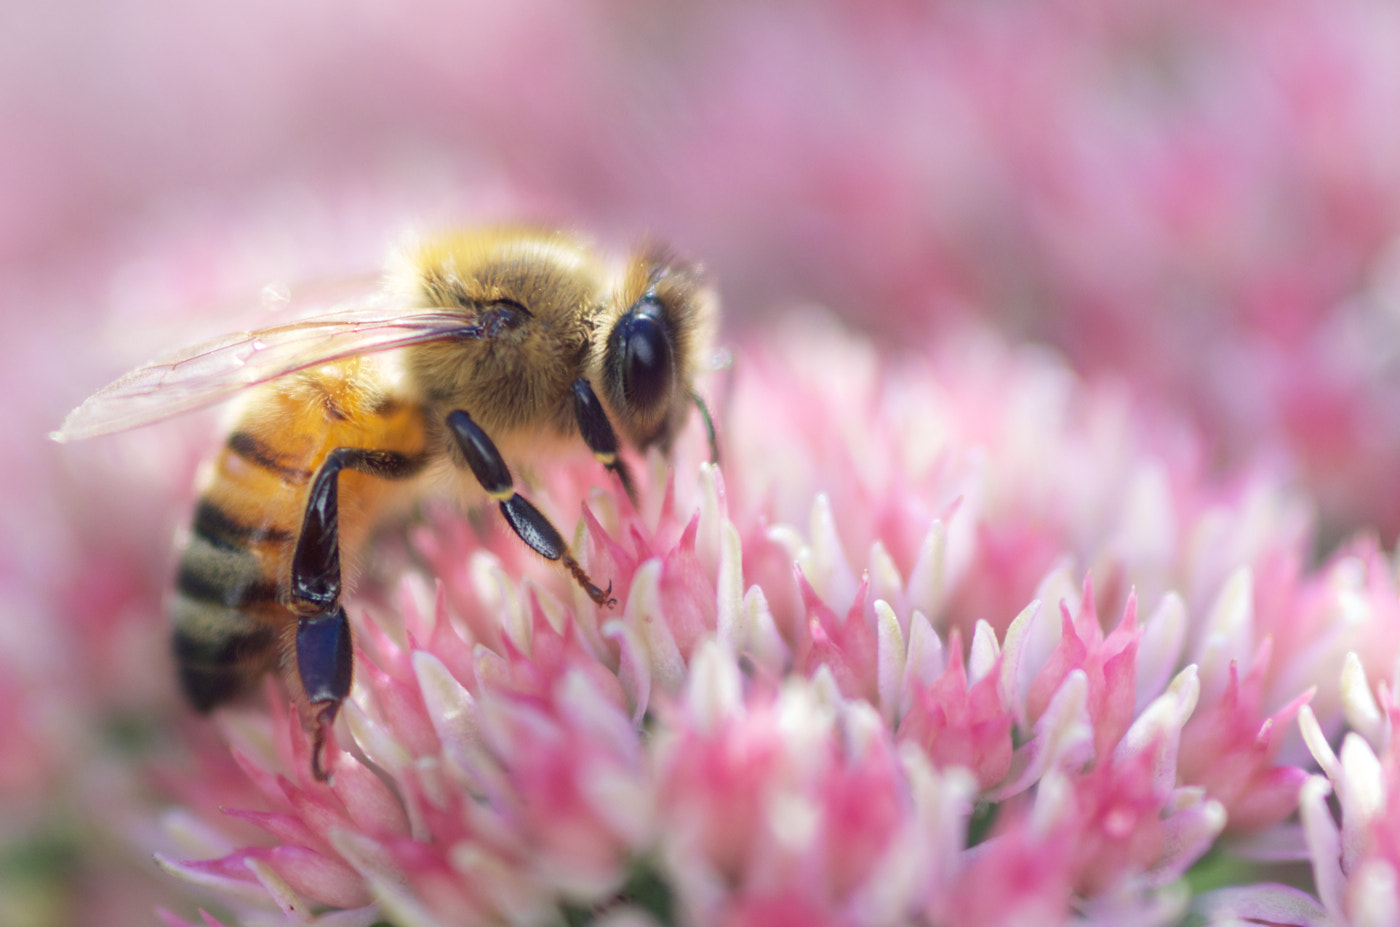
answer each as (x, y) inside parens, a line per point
(659, 328)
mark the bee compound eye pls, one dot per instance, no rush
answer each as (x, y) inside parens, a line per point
(644, 353)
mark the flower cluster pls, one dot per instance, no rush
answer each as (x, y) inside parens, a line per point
(1017, 645)
(1013, 666)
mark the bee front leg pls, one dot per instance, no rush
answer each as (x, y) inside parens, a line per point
(324, 649)
(598, 433)
(528, 522)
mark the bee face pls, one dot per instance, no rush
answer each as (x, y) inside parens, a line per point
(651, 342)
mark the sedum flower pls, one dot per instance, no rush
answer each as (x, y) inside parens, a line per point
(795, 714)
(1227, 749)
(960, 724)
(1355, 862)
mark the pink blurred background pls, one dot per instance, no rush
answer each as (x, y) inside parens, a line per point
(1199, 199)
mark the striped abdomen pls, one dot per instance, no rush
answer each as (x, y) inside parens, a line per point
(230, 610)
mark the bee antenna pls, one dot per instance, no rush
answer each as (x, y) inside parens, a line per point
(709, 425)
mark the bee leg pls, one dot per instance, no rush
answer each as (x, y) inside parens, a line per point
(529, 524)
(325, 653)
(598, 434)
(325, 661)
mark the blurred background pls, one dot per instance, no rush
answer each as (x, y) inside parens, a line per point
(1199, 200)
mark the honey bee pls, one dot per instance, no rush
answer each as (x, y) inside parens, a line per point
(482, 346)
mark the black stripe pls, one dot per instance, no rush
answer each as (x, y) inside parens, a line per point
(221, 650)
(214, 526)
(387, 465)
(248, 447)
(214, 672)
(207, 689)
(194, 584)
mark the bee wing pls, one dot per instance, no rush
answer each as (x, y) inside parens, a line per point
(203, 374)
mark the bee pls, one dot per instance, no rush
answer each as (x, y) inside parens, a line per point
(481, 346)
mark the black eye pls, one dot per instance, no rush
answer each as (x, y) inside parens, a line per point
(643, 355)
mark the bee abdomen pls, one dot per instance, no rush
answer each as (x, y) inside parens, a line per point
(218, 651)
(214, 525)
(257, 452)
(215, 575)
(231, 607)
(222, 640)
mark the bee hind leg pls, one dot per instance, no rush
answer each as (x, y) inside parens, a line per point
(528, 522)
(324, 650)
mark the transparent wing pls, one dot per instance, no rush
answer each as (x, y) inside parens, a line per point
(202, 374)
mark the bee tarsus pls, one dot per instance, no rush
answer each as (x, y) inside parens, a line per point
(325, 662)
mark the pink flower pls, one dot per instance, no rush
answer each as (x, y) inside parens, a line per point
(1228, 751)
(1356, 865)
(705, 756)
(1109, 835)
(959, 724)
(1109, 665)
(795, 795)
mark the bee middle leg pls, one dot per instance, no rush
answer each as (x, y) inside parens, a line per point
(325, 654)
(528, 522)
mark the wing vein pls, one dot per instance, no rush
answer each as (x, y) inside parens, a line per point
(202, 374)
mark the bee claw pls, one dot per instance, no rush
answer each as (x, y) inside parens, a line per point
(325, 720)
(603, 597)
